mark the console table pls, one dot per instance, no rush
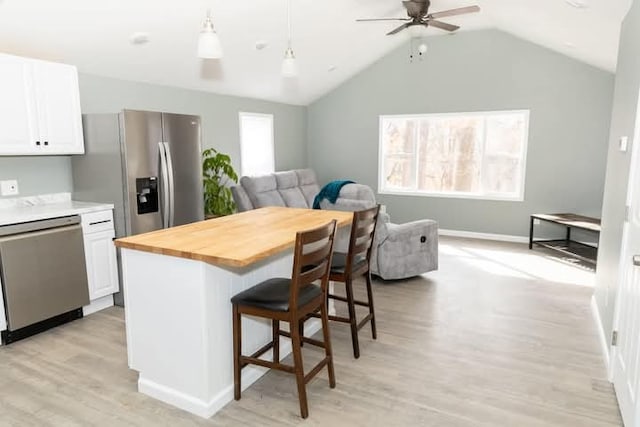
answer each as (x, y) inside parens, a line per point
(582, 251)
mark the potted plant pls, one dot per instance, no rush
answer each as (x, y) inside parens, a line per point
(217, 172)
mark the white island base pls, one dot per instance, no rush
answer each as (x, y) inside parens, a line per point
(179, 327)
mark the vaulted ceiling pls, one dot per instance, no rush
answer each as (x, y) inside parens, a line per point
(329, 45)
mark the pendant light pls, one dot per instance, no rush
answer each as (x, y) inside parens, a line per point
(289, 66)
(209, 46)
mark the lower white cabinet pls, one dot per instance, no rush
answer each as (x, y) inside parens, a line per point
(100, 254)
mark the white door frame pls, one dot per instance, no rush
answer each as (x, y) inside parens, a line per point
(630, 203)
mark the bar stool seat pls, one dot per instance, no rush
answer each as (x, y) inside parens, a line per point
(339, 263)
(273, 294)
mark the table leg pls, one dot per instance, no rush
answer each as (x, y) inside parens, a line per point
(531, 234)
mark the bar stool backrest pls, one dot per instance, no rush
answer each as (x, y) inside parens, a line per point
(312, 259)
(363, 229)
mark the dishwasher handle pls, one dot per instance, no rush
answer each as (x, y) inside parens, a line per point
(45, 224)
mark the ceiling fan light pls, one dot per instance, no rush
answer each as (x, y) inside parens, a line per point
(289, 65)
(209, 46)
(417, 30)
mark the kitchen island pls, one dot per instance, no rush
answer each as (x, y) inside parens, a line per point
(178, 283)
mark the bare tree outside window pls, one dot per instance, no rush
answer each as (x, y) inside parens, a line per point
(459, 155)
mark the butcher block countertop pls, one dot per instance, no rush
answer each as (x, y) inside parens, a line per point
(236, 240)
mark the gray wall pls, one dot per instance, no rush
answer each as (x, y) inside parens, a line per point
(39, 175)
(627, 86)
(487, 70)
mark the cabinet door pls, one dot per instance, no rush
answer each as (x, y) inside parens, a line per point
(18, 121)
(58, 102)
(102, 267)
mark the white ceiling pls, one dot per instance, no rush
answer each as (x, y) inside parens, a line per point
(94, 35)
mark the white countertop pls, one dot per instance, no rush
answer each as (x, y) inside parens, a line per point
(34, 208)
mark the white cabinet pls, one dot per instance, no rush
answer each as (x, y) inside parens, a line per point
(39, 108)
(18, 114)
(100, 254)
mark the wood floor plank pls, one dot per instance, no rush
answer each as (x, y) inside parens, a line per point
(499, 336)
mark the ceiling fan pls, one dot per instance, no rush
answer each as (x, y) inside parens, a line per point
(418, 12)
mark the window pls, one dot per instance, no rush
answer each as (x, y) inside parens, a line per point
(256, 144)
(470, 155)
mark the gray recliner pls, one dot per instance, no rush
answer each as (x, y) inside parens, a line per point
(400, 250)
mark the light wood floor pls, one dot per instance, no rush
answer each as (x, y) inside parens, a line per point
(499, 336)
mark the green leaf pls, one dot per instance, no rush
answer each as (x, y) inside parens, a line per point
(217, 170)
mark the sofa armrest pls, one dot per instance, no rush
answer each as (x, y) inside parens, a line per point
(240, 196)
(351, 205)
(424, 227)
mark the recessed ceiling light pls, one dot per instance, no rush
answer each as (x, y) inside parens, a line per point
(139, 38)
(579, 4)
(261, 44)
(332, 68)
(570, 44)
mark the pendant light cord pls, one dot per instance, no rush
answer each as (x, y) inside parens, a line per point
(289, 24)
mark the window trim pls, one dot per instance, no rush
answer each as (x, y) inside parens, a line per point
(454, 195)
(242, 114)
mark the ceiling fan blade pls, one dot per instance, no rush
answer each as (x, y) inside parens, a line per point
(416, 9)
(454, 12)
(383, 19)
(442, 25)
(397, 30)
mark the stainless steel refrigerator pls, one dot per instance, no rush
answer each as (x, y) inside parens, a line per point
(148, 164)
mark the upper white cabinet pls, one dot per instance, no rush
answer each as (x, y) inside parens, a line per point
(39, 108)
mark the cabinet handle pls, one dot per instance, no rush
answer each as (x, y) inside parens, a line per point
(46, 143)
(100, 222)
(37, 142)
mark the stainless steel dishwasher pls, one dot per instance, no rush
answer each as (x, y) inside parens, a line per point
(43, 274)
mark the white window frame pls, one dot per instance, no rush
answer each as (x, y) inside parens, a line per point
(242, 114)
(457, 194)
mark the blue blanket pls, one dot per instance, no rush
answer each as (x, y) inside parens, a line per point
(331, 191)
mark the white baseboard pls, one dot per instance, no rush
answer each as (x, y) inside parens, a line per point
(483, 236)
(250, 374)
(97, 305)
(604, 342)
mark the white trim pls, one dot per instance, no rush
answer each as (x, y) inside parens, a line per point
(483, 236)
(478, 196)
(459, 195)
(250, 374)
(98, 304)
(604, 343)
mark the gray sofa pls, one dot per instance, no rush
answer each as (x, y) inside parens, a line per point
(400, 250)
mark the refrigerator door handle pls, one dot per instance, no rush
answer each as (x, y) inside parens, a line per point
(165, 185)
(172, 194)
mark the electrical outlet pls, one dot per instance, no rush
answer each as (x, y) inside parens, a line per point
(9, 188)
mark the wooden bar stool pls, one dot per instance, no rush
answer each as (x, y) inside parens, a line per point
(355, 263)
(290, 300)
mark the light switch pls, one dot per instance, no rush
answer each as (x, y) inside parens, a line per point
(624, 143)
(9, 187)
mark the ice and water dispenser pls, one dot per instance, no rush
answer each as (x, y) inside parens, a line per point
(147, 194)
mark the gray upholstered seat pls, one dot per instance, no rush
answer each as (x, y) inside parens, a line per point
(400, 250)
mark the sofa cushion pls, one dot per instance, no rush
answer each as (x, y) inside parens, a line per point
(262, 191)
(289, 191)
(308, 184)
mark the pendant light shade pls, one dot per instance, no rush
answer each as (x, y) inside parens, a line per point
(209, 46)
(289, 66)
